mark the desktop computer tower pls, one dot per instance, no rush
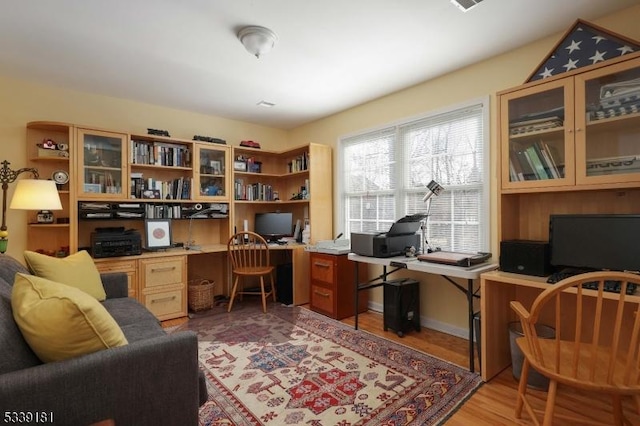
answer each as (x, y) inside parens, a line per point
(401, 305)
(284, 283)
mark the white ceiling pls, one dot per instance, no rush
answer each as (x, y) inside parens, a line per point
(331, 54)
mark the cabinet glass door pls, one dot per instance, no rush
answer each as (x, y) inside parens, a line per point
(101, 161)
(539, 126)
(212, 175)
(608, 150)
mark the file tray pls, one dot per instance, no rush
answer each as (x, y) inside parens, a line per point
(454, 258)
(341, 246)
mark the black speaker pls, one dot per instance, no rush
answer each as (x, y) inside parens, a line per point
(526, 257)
(401, 305)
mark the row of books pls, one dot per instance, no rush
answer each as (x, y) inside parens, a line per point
(299, 163)
(160, 154)
(536, 162)
(162, 211)
(254, 191)
(150, 188)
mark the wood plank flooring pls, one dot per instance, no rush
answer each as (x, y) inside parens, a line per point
(493, 404)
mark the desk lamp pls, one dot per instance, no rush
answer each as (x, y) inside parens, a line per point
(30, 194)
(434, 188)
(199, 213)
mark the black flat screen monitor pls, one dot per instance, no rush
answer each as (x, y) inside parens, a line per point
(594, 241)
(272, 226)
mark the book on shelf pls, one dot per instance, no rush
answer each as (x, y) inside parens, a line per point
(613, 165)
(533, 157)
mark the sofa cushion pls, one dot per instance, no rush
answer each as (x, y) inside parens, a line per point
(15, 353)
(59, 321)
(76, 270)
(136, 322)
(9, 266)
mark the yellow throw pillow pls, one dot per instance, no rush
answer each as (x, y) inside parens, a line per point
(59, 321)
(76, 270)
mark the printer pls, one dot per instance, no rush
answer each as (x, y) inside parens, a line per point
(395, 242)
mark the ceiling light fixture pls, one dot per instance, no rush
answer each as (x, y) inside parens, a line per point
(257, 40)
(266, 104)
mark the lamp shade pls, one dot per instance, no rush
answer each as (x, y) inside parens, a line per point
(35, 194)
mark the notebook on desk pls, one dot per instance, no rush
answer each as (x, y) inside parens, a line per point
(454, 258)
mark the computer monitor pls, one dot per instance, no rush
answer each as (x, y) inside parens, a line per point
(595, 241)
(272, 226)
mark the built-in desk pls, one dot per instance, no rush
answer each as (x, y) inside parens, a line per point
(498, 289)
(412, 264)
(159, 279)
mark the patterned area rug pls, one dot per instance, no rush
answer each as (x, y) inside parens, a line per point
(292, 366)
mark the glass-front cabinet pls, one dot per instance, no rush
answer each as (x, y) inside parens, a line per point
(102, 164)
(608, 126)
(212, 172)
(538, 132)
(582, 130)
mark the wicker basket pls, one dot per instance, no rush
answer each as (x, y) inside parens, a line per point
(200, 295)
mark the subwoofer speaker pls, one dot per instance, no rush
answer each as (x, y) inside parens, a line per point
(525, 257)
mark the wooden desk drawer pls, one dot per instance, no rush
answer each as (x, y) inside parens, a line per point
(166, 304)
(322, 298)
(322, 268)
(162, 272)
(129, 267)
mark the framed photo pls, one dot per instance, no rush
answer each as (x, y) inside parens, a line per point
(240, 166)
(92, 188)
(216, 167)
(255, 167)
(151, 194)
(158, 233)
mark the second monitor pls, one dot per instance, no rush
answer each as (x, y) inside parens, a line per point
(273, 226)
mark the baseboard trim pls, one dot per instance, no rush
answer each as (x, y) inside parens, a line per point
(431, 323)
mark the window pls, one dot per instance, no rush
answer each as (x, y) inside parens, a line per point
(385, 173)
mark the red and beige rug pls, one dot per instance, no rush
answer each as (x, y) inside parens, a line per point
(292, 366)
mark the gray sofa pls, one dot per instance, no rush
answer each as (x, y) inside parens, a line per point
(154, 380)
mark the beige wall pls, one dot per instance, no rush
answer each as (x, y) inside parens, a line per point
(22, 102)
(439, 300)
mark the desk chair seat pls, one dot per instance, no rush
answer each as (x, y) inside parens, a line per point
(249, 257)
(596, 347)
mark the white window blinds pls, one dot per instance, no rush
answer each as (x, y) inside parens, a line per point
(385, 173)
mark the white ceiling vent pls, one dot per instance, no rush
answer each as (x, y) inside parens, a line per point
(465, 5)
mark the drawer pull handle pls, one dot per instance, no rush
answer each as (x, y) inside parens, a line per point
(164, 299)
(319, 293)
(166, 268)
(322, 265)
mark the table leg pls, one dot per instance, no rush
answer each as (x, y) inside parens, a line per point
(471, 333)
(357, 279)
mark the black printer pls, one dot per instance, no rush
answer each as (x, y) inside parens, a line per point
(115, 241)
(395, 242)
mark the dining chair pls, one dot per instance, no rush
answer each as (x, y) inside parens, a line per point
(595, 346)
(248, 253)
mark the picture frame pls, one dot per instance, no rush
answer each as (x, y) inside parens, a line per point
(240, 166)
(152, 194)
(92, 188)
(216, 167)
(157, 233)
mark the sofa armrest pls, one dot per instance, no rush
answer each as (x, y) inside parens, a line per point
(116, 284)
(149, 382)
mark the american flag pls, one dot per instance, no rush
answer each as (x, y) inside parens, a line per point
(583, 45)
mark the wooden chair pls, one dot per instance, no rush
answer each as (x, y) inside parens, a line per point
(249, 256)
(596, 345)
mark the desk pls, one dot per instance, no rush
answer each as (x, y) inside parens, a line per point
(498, 289)
(208, 261)
(412, 264)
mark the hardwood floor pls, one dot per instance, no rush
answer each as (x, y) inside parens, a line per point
(493, 404)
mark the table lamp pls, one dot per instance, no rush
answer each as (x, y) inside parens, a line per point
(433, 189)
(30, 194)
